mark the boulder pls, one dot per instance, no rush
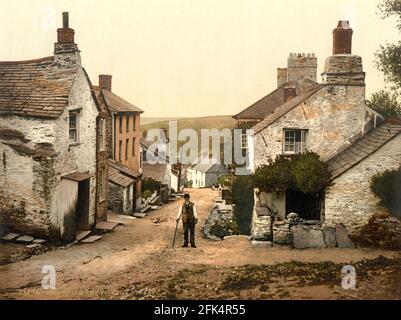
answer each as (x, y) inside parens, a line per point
(316, 239)
(342, 237)
(329, 235)
(301, 238)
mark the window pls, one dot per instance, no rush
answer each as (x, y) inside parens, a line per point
(126, 148)
(73, 126)
(127, 123)
(120, 150)
(295, 140)
(133, 147)
(102, 134)
(244, 141)
(102, 185)
(121, 123)
(134, 122)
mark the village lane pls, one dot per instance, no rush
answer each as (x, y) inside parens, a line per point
(140, 252)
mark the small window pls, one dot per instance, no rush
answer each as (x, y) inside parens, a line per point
(102, 134)
(244, 141)
(295, 140)
(134, 122)
(121, 123)
(102, 185)
(133, 147)
(127, 123)
(73, 126)
(126, 148)
(120, 150)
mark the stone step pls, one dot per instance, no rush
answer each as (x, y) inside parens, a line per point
(139, 215)
(25, 239)
(106, 225)
(39, 241)
(91, 239)
(10, 236)
(82, 234)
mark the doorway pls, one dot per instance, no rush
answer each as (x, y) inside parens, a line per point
(307, 205)
(82, 207)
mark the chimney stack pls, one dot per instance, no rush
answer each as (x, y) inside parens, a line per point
(65, 34)
(342, 38)
(289, 93)
(105, 81)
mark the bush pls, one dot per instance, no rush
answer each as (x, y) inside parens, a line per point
(387, 186)
(243, 198)
(150, 184)
(303, 172)
(147, 194)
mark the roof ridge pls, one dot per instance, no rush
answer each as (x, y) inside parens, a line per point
(28, 61)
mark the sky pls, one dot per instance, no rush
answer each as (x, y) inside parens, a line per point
(186, 58)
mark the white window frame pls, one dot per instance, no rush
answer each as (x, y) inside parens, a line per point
(244, 141)
(290, 143)
(76, 114)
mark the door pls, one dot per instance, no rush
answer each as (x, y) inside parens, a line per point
(82, 208)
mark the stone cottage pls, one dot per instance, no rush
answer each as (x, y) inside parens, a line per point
(123, 135)
(205, 174)
(52, 177)
(333, 120)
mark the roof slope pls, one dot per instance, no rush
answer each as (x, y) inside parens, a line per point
(122, 168)
(264, 106)
(210, 167)
(34, 88)
(116, 103)
(286, 107)
(362, 148)
(155, 171)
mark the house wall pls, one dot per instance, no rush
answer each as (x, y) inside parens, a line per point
(27, 174)
(115, 202)
(81, 156)
(332, 116)
(349, 200)
(132, 161)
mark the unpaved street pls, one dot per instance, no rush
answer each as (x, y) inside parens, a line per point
(136, 261)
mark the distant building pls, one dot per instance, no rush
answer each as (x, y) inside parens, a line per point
(53, 177)
(124, 135)
(205, 175)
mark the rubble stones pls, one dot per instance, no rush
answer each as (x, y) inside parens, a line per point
(329, 235)
(25, 239)
(342, 237)
(301, 237)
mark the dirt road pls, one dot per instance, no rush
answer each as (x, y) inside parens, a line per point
(136, 261)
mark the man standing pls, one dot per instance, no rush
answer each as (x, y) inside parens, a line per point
(189, 219)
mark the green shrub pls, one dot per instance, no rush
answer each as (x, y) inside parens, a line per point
(303, 172)
(150, 184)
(387, 186)
(147, 194)
(243, 198)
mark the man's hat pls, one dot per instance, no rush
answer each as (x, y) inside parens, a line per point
(186, 196)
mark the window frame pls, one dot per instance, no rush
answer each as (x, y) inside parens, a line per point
(127, 123)
(126, 149)
(76, 114)
(102, 134)
(298, 141)
(133, 147)
(120, 150)
(134, 122)
(120, 125)
(102, 185)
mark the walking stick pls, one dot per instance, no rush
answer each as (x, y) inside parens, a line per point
(175, 234)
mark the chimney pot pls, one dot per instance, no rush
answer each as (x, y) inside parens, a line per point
(342, 38)
(105, 81)
(65, 20)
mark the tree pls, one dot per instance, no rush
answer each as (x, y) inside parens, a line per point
(386, 103)
(388, 57)
(388, 61)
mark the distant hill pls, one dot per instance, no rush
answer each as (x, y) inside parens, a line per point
(213, 122)
(148, 120)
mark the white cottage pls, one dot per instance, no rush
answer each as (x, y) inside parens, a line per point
(48, 144)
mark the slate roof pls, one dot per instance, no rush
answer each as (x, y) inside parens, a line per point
(211, 167)
(117, 177)
(265, 106)
(122, 168)
(286, 107)
(34, 88)
(362, 148)
(116, 103)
